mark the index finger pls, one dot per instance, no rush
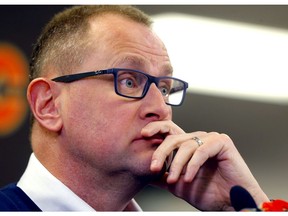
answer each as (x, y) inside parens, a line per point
(163, 127)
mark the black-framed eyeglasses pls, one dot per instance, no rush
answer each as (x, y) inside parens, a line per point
(131, 83)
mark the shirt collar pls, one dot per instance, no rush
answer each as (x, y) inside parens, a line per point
(50, 194)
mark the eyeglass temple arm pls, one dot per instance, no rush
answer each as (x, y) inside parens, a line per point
(179, 88)
(73, 77)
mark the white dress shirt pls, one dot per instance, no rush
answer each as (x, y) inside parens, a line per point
(50, 194)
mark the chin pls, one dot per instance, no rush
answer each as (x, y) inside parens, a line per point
(141, 168)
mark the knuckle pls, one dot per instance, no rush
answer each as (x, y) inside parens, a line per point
(225, 138)
(202, 132)
(214, 133)
(221, 137)
(171, 138)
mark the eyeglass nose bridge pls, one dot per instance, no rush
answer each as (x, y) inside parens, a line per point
(149, 82)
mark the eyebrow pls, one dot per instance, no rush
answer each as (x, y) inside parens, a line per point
(167, 69)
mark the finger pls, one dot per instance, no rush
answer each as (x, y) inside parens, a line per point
(178, 166)
(163, 127)
(214, 145)
(171, 143)
(166, 148)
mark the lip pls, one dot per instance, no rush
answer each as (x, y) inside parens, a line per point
(156, 139)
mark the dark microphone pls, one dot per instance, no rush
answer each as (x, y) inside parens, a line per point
(242, 199)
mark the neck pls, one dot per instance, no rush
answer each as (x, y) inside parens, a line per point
(102, 191)
(100, 187)
(113, 193)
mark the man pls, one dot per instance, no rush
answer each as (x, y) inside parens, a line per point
(101, 93)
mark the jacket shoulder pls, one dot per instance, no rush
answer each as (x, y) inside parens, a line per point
(12, 198)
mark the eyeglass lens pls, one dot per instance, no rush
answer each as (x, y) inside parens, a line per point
(134, 84)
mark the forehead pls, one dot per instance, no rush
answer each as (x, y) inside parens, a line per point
(138, 62)
(123, 41)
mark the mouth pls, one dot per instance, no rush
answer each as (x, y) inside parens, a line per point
(154, 140)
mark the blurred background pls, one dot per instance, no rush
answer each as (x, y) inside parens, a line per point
(233, 56)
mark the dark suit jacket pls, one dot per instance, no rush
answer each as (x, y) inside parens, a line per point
(12, 198)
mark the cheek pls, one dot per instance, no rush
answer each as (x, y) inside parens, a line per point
(99, 123)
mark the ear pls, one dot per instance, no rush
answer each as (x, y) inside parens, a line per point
(42, 96)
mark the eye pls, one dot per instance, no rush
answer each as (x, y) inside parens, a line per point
(165, 87)
(164, 90)
(129, 82)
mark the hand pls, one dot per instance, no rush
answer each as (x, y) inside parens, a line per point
(201, 175)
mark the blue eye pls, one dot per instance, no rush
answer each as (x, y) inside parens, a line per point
(129, 83)
(164, 90)
(130, 80)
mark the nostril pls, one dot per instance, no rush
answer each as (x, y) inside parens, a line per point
(150, 115)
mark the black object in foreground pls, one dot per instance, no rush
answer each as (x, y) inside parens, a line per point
(242, 199)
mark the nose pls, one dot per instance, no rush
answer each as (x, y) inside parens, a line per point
(154, 106)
